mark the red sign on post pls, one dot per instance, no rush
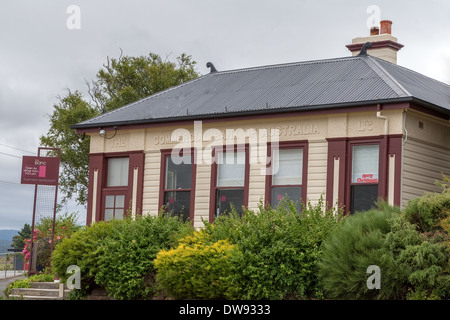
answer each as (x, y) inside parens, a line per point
(40, 170)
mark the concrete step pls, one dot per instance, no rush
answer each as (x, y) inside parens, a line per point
(41, 291)
(45, 285)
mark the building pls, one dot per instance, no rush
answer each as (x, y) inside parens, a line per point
(350, 129)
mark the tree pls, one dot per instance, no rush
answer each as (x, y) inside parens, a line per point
(121, 81)
(18, 240)
(74, 160)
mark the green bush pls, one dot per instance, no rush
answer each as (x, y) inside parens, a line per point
(410, 266)
(196, 268)
(126, 268)
(429, 210)
(118, 255)
(81, 250)
(277, 250)
(350, 250)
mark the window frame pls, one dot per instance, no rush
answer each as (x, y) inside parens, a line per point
(214, 171)
(116, 190)
(162, 183)
(283, 145)
(339, 148)
(115, 194)
(350, 184)
(98, 163)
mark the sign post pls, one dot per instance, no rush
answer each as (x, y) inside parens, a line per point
(44, 171)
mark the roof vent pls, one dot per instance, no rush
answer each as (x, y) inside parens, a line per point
(363, 51)
(211, 66)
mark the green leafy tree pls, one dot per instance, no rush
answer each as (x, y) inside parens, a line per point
(121, 81)
(74, 159)
(18, 241)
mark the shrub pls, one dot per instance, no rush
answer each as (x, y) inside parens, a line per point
(431, 212)
(81, 250)
(125, 263)
(118, 255)
(410, 266)
(65, 226)
(348, 252)
(196, 268)
(277, 250)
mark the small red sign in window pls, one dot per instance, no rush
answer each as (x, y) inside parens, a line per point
(367, 178)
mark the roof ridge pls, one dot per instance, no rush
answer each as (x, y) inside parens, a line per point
(387, 77)
(281, 65)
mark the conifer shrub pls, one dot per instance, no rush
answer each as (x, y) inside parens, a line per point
(411, 266)
(431, 212)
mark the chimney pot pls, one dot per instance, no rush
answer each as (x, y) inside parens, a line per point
(385, 26)
(374, 31)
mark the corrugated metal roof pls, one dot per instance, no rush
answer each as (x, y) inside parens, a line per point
(300, 86)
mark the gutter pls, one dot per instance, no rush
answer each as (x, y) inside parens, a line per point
(81, 128)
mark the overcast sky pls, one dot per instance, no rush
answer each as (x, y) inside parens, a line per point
(40, 56)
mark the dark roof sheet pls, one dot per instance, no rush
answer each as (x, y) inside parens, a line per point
(294, 86)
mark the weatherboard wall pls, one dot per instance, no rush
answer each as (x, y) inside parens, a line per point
(314, 129)
(426, 154)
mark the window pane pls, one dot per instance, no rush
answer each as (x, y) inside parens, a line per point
(228, 198)
(118, 214)
(292, 193)
(118, 172)
(231, 169)
(109, 214)
(109, 202)
(363, 197)
(288, 167)
(365, 164)
(178, 203)
(120, 202)
(178, 176)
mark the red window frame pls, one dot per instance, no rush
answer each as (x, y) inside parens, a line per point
(381, 163)
(104, 205)
(340, 148)
(214, 188)
(162, 189)
(301, 144)
(116, 190)
(98, 162)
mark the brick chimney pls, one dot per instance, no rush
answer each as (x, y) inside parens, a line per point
(384, 45)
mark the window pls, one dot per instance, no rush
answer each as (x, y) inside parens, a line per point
(117, 172)
(178, 185)
(364, 177)
(286, 177)
(115, 195)
(114, 207)
(230, 181)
